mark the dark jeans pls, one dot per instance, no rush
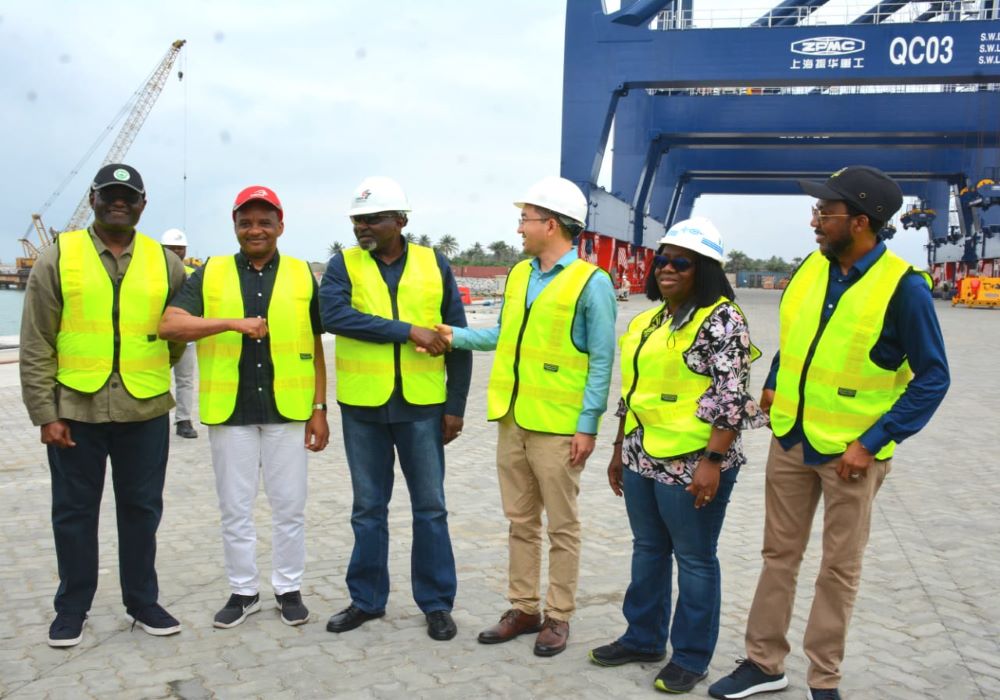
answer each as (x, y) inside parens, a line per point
(666, 526)
(138, 453)
(371, 449)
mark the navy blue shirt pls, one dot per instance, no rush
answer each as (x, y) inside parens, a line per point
(340, 317)
(911, 332)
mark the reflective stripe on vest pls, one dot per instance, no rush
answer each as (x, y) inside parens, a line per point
(660, 390)
(290, 334)
(366, 371)
(85, 345)
(844, 392)
(538, 372)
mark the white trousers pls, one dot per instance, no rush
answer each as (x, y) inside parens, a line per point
(240, 455)
(184, 383)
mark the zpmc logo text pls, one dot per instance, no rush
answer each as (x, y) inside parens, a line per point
(828, 46)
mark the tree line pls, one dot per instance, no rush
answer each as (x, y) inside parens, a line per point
(503, 254)
(498, 253)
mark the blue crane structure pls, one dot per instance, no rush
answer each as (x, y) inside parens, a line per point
(910, 87)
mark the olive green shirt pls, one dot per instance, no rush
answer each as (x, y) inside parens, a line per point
(45, 399)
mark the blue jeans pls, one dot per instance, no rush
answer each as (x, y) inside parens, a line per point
(371, 459)
(666, 526)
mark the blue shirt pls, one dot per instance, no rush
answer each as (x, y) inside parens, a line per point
(340, 317)
(593, 329)
(911, 332)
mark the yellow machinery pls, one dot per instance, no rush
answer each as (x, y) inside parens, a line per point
(977, 291)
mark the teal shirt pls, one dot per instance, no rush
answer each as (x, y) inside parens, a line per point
(593, 329)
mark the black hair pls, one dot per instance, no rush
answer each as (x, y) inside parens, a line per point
(873, 224)
(570, 227)
(710, 282)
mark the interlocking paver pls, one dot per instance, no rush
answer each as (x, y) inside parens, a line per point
(926, 625)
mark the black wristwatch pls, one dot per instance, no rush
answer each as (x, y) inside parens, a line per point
(713, 456)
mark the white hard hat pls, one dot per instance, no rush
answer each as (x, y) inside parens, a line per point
(174, 236)
(376, 194)
(697, 234)
(559, 195)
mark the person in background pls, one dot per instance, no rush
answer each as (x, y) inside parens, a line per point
(175, 241)
(685, 366)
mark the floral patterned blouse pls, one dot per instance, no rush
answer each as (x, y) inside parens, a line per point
(721, 350)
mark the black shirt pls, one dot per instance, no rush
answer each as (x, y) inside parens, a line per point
(255, 396)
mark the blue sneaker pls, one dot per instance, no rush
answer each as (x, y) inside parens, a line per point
(154, 620)
(824, 694)
(748, 679)
(67, 629)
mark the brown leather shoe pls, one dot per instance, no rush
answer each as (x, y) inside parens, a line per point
(553, 637)
(512, 623)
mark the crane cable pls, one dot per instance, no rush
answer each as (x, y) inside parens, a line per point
(122, 113)
(184, 146)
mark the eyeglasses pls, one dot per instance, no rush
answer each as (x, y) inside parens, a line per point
(678, 262)
(524, 219)
(820, 216)
(372, 219)
(109, 195)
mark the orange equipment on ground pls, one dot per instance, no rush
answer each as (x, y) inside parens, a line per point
(977, 291)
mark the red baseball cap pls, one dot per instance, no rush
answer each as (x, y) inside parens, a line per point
(255, 192)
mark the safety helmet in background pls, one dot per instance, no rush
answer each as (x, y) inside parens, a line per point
(559, 195)
(378, 193)
(697, 234)
(174, 236)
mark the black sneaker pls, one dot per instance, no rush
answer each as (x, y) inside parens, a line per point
(674, 679)
(748, 679)
(293, 612)
(616, 654)
(67, 629)
(824, 694)
(154, 620)
(186, 430)
(236, 610)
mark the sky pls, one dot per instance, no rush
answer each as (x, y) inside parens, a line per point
(459, 101)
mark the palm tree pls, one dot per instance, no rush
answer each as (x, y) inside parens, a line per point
(424, 240)
(499, 250)
(738, 260)
(335, 248)
(410, 238)
(447, 246)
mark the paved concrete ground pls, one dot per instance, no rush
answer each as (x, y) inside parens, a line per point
(927, 622)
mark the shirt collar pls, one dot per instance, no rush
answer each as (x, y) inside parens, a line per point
(562, 262)
(243, 262)
(864, 263)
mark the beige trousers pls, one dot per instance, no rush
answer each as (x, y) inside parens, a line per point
(792, 492)
(535, 475)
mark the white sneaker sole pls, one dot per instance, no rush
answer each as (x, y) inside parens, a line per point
(769, 687)
(62, 643)
(155, 631)
(294, 623)
(250, 610)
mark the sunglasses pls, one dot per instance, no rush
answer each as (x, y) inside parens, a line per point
(372, 219)
(678, 262)
(110, 195)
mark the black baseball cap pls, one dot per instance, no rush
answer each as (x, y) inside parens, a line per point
(866, 188)
(118, 174)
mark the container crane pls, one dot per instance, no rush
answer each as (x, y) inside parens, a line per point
(144, 99)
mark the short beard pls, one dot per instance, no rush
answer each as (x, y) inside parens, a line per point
(368, 244)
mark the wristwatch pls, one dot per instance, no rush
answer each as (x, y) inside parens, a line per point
(713, 456)
(319, 406)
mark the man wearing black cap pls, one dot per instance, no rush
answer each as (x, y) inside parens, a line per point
(861, 366)
(262, 392)
(96, 378)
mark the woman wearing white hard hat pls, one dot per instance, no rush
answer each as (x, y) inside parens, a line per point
(685, 365)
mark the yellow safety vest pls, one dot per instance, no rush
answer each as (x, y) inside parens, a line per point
(538, 372)
(290, 334)
(660, 391)
(85, 345)
(844, 392)
(367, 371)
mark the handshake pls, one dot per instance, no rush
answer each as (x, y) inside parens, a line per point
(434, 342)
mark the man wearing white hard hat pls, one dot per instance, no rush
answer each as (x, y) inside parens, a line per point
(555, 345)
(175, 241)
(383, 299)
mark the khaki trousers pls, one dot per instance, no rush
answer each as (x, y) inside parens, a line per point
(792, 492)
(535, 475)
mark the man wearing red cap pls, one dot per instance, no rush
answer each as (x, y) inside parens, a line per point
(262, 373)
